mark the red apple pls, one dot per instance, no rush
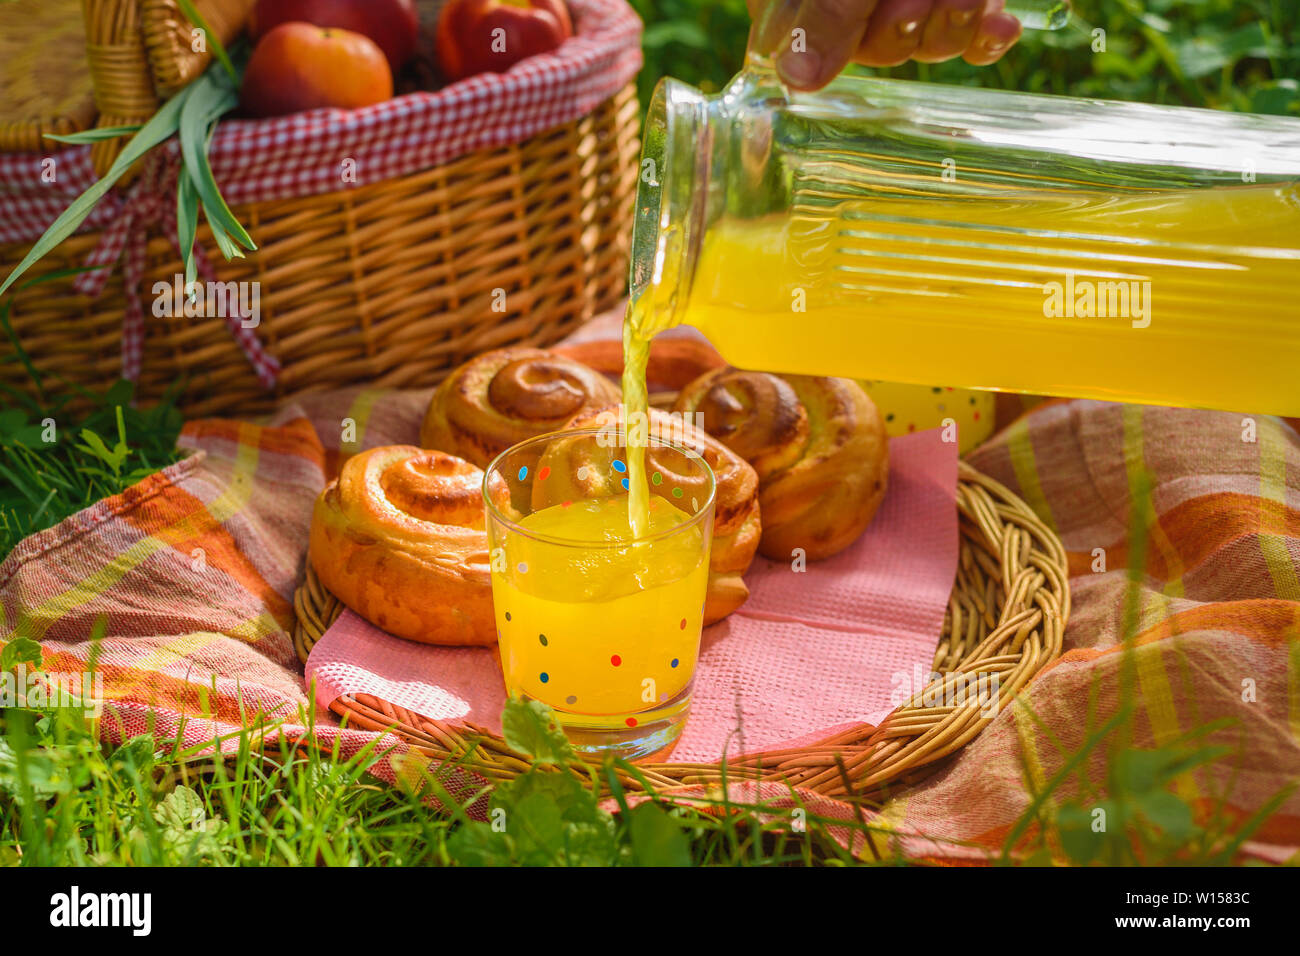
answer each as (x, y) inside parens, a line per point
(390, 23)
(300, 66)
(479, 36)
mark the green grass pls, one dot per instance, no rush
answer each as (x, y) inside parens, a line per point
(65, 799)
(54, 462)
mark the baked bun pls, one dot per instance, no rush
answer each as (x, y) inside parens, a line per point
(736, 525)
(506, 396)
(818, 445)
(674, 362)
(399, 539)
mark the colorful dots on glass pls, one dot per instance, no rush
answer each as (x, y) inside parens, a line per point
(523, 567)
(631, 721)
(523, 472)
(677, 492)
(544, 472)
(682, 625)
(674, 663)
(619, 466)
(507, 615)
(625, 484)
(542, 638)
(657, 479)
(544, 677)
(571, 700)
(616, 660)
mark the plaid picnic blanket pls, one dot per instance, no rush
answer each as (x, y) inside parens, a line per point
(194, 569)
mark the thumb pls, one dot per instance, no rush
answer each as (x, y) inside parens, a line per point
(821, 41)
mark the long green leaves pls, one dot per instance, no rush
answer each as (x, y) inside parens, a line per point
(162, 125)
(192, 115)
(211, 96)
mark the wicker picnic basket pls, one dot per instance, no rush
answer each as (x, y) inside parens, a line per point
(390, 282)
(1005, 620)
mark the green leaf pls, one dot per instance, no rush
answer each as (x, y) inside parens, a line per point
(38, 770)
(476, 844)
(120, 393)
(11, 419)
(192, 14)
(137, 753)
(657, 839)
(20, 650)
(530, 728)
(537, 830)
(181, 810)
(113, 457)
(1280, 98)
(94, 135)
(689, 33)
(1212, 51)
(1168, 812)
(1074, 825)
(210, 100)
(162, 125)
(187, 221)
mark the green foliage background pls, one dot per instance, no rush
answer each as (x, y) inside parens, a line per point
(1226, 54)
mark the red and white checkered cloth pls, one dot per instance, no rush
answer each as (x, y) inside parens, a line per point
(303, 154)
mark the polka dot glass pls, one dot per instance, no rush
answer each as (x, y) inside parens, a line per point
(601, 626)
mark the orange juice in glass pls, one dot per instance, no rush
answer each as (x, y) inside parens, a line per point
(601, 624)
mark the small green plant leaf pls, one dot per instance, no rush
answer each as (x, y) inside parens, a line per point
(187, 221)
(20, 650)
(211, 99)
(1168, 812)
(657, 839)
(530, 728)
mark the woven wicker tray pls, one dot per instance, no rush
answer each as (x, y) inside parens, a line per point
(1005, 618)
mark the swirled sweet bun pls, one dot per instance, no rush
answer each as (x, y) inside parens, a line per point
(508, 395)
(673, 363)
(399, 539)
(818, 445)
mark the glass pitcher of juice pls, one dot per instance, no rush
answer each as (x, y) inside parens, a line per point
(918, 233)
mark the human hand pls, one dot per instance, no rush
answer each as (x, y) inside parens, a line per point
(877, 33)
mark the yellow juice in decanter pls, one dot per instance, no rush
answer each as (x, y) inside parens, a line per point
(1197, 306)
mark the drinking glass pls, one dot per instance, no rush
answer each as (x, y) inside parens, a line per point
(600, 625)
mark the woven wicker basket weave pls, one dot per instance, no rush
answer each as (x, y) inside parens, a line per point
(64, 62)
(391, 284)
(1005, 620)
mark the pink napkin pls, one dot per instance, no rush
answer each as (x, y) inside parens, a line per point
(809, 653)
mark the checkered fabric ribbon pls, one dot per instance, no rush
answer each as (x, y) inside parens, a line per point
(302, 154)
